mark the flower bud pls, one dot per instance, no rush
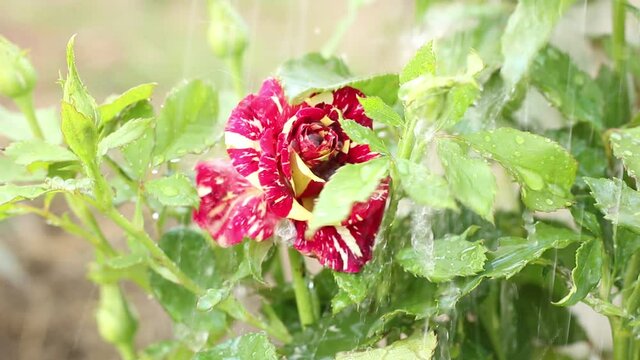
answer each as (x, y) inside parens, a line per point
(228, 35)
(17, 76)
(116, 322)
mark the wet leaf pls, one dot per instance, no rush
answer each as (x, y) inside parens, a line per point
(11, 193)
(13, 173)
(363, 135)
(127, 133)
(416, 347)
(514, 253)
(213, 297)
(256, 253)
(527, 31)
(74, 91)
(314, 73)
(423, 187)
(587, 272)
(567, 87)
(450, 257)
(350, 184)
(186, 122)
(30, 151)
(626, 147)
(380, 112)
(110, 109)
(470, 180)
(619, 203)
(195, 257)
(423, 62)
(617, 110)
(245, 347)
(545, 169)
(352, 290)
(79, 133)
(175, 190)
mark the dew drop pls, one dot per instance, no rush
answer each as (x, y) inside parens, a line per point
(519, 140)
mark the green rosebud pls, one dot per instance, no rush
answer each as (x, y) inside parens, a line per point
(17, 76)
(227, 34)
(116, 322)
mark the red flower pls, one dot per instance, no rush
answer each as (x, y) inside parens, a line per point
(283, 155)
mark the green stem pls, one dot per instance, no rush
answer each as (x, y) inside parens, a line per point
(341, 29)
(71, 228)
(127, 352)
(237, 77)
(300, 288)
(633, 301)
(153, 248)
(618, 35)
(621, 337)
(25, 104)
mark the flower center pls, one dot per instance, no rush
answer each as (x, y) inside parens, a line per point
(316, 143)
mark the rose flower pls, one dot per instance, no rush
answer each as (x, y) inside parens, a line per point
(281, 157)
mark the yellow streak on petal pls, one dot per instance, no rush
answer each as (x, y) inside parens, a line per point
(298, 212)
(345, 146)
(301, 175)
(326, 121)
(325, 97)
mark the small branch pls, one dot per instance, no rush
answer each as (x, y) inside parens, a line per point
(25, 104)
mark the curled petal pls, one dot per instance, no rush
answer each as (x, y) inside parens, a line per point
(346, 248)
(230, 207)
(246, 126)
(359, 153)
(346, 100)
(278, 193)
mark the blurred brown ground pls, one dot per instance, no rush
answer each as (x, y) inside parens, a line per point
(46, 302)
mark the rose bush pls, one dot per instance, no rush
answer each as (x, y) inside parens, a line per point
(283, 154)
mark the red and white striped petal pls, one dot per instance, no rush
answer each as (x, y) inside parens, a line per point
(230, 207)
(346, 248)
(248, 121)
(346, 100)
(278, 192)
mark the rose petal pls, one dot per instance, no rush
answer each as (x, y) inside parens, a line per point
(247, 123)
(278, 193)
(346, 100)
(230, 207)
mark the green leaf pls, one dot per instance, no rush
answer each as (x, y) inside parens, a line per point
(109, 110)
(79, 133)
(195, 257)
(186, 122)
(441, 101)
(380, 112)
(616, 97)
(352, 290)
(138, 154)
(10, 193)
(450, 257)
(514, 253)
(352, 183)
(213, 297)
(470, 180)
(175, 190)
(568, 88)
(127, 133)
(626, 147)
(313, 73)
(423, 62)
(545, 169)
(245, 347)
(619, 203)
(14, 125)
(416, 347)
(586, 273)
(256, 252)
(363, 135)
(414, 176)
(74, 91)
(527, 31)
(30, 151)
(12, 172)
